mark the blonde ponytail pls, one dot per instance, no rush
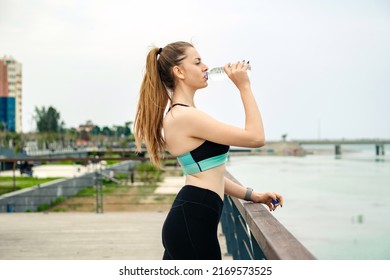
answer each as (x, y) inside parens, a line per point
(154, 97)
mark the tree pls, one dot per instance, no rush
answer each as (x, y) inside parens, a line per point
(3, 126)
(119, 131)
(107, 131)
(48, 120)
(96, 130)
(128, 129)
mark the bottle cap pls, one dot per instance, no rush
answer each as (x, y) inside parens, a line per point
(275, 201)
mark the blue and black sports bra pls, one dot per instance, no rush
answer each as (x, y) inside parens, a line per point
(208, 155)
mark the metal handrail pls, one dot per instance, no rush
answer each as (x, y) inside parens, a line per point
(253, 233)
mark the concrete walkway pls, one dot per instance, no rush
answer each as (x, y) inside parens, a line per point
(170, 185)
(80, 236)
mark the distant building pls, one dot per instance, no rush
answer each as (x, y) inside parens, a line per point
(3, 79)
(84, 130)
(86, 127)
(7, 114)
(10, 94)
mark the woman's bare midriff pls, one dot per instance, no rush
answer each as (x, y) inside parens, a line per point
(212, 179)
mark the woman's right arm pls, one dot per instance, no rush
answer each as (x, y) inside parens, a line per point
(253, 120)
(198, 124)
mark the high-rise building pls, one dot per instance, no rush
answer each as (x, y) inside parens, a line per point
(10, 94)
(7, 113)
(3, 79)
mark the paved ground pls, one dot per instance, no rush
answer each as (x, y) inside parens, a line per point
(170, 185)
(78, 236)
(63, 236)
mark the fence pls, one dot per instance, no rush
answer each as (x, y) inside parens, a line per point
(252, 232)
(30, 199)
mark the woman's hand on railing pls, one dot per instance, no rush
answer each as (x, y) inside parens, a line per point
(271, 199)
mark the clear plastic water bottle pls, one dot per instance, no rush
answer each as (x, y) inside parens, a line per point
(218, 73)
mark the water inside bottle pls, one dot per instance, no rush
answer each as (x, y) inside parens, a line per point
(218, 74)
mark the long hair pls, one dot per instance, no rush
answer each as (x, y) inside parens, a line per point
(154, 97)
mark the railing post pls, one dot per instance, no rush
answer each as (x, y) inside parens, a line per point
(226, 225)
(231, 231)
(238, 237)
(257, 252)
(243, 241)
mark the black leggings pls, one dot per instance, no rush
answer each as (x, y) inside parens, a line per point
(190, 229)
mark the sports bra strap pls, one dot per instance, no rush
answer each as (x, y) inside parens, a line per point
(178, 104)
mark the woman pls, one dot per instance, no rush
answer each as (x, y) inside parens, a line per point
(173, 75)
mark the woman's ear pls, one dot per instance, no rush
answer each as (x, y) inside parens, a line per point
(178, 72)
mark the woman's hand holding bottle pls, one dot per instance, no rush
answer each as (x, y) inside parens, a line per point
(238, 73)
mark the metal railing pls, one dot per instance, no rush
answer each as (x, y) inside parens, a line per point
(253, 233)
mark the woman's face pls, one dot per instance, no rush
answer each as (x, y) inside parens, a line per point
(194, 70)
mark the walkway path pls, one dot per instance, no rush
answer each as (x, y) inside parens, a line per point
(76, 235)
(79, 236)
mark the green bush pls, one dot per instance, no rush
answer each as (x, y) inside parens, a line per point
(146, 172)
(44, 207)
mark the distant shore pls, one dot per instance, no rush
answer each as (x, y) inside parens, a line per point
(287, 149)
(277, 148)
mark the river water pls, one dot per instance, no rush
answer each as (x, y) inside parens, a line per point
(338, 208)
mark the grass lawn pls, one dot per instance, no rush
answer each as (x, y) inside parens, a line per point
(117, 197)
(7, 183)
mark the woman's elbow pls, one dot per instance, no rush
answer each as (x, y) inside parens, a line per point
(257, 142)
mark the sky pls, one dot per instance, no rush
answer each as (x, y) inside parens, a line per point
(320, 68)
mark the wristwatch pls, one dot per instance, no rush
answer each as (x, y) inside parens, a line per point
(248, 194)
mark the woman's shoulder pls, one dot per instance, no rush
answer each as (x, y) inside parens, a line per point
(185, 121)
(181, 114)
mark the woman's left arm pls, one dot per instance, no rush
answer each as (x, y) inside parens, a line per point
(236, 190)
